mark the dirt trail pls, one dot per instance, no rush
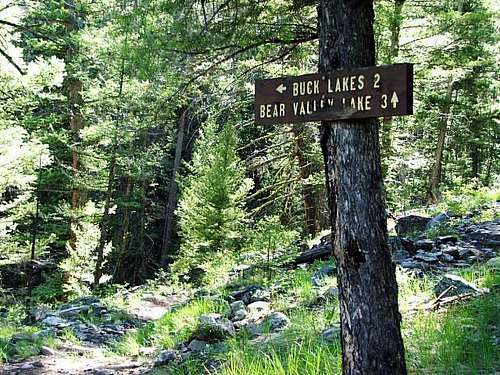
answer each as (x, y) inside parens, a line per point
(93, 359)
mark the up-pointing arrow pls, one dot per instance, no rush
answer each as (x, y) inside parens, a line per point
(394, 99)
(281, 88)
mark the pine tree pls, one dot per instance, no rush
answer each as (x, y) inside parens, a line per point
(211, 207)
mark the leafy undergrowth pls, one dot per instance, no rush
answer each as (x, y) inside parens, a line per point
(458, 340)
(461, 339)
(17, 340)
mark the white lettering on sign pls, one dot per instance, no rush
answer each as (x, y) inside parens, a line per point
(272, 110)
(346, 84)
(383, 102)
(305, 88)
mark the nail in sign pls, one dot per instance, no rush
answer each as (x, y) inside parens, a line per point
(380, 91)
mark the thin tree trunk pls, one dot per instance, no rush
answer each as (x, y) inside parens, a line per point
(370, 321)
(310, 209)
(104, 222)
(75, 102)
(396, 21)
(36, 217)
(172, 192)
(437, 169)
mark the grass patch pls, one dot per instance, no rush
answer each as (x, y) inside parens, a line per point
(172, 329)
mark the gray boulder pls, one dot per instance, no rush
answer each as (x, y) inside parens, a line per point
(331, 334)
(240, 315)
(319, 276)
(55, 321)
(259, 309)
(484, 234)
(237, 305)
(426, 257)
(436, 220)
(212, 327)
(198, 346)
(277, 321)
(454, 286)
(400, 255)
(251, 294)
(166, 357)
(45, 350)
(424, 244)
(410, 225)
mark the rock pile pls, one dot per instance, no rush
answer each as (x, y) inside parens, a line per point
(473, 243)
(250, 311)
(77, 316)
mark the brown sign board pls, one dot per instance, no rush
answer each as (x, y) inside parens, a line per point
(379, 91)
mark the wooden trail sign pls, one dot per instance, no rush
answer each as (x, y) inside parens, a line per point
(380, 91)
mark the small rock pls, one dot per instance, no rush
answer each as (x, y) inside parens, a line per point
(318, 277)
(198, 345)
(331, 334)
(278, 321)
(27, 366)
(55, 321)
(494, 262)
(400, 255)
(166, 356)
(426, 257)
(146, 351)
(447, 239)
(455, 286)
(411, 224)
(214, 327)
(237, 305)
(240, 315)
(425, 245)
(332, 292)
(411, 264)
(251, 294)
(259, 308)
(436, 220)
(73, 311)
(446, 258)
(45, 350)
(450, 250)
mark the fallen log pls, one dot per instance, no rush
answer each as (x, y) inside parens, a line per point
(319, 252)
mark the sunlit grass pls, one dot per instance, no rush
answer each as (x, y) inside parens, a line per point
(173, 328)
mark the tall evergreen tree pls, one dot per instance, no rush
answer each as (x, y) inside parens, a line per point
(211, 208)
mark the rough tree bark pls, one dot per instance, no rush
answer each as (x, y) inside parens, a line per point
(437, 168)
(75, 103)
(105, 222)
(370, 320)
(172, 192)
(308, 193)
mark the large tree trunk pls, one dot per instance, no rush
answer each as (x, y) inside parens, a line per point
(172, 192)
(308, 193)
(370, 320)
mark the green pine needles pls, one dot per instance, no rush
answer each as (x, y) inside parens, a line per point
(211, 206)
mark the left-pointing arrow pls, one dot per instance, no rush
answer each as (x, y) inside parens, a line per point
(281, 88)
